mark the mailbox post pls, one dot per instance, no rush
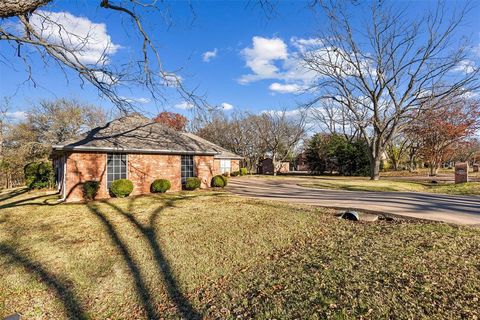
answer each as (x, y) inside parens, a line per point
(461, 172)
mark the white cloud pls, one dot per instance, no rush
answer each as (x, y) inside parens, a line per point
(304, 45)
(466, 66)
(227, 106)
(288, 113)
(207, 56)
(105, 77)
(136, 100)
(476, 50)
(88, 40)
(261, 58)
(16, 115)
(184, 105)
(286, 88)
(272, 59)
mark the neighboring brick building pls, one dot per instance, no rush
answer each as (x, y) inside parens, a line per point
(266, 167)
(136, 148)
(301, 162)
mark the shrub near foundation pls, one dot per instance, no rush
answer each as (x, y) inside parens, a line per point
(192, 183)
(218, 181)
(160, 186)
(121, 188)
(90, 189)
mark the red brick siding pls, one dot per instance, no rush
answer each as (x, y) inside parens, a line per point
(144, 168)
(267, 167)
(234, 166)
(82, 167)
(204, 167)
(216, 167)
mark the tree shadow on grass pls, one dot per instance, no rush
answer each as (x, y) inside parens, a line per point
(12, 193)
(57, 284)
(150, 234)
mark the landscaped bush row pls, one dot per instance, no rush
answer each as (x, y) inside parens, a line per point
(241, 172)
(123, 187)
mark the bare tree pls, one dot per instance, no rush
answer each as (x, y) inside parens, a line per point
(237, 134)
(280, 134)
(334, 118)
(44, 33)
(386, 68)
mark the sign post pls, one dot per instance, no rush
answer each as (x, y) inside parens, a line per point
(461, 172)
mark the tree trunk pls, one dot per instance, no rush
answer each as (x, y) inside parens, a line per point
(376, 152)
(433, 169)
(375, 168)
(274, 165)
(395, 164)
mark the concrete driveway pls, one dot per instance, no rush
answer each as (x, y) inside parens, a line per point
(438, 207)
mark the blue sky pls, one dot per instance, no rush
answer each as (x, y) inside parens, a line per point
(230, 50)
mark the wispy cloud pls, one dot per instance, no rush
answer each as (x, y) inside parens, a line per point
(286, 88)
(184, 105)
(466, 66)
(209, 55)
(136, 100)
(16, 115)
(227, 106)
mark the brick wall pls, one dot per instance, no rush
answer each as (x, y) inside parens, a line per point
(142, 170)
(82, 167)
(205, 169)
(234, 166)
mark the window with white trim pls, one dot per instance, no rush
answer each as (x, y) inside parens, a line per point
(116, 167)
(188, 167)
(225, 166)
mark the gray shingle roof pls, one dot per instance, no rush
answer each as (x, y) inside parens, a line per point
(136, 133)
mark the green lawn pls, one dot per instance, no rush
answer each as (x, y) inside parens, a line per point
(213, 255)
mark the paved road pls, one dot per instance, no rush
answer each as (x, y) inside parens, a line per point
(446, 208)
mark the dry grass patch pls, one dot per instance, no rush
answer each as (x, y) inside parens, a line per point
(389, 185)
(206, 254)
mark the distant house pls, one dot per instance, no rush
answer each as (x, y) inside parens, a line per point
(266, 167)
(301, 162)
(136, 148)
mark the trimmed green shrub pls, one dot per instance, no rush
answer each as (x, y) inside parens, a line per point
(90, 189)
(160, 186)
(235, 173)
(39, 175)
(121, 188)
(225, 180)
(243, 171)
(219, 181)
(192, 183)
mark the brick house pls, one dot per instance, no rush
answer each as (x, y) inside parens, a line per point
(266, 166)
(136, 148)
